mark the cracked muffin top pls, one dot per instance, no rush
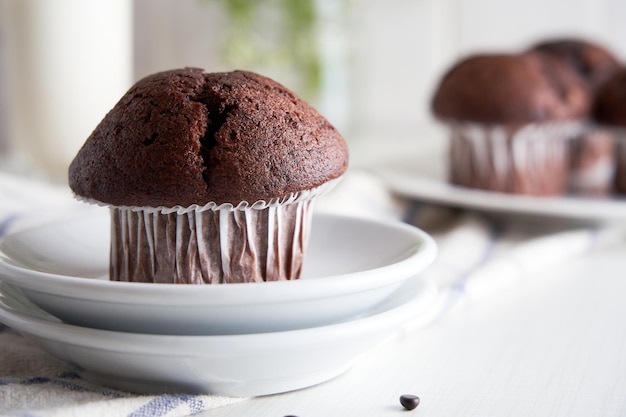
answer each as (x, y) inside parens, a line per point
(510, 88)
(185, 137)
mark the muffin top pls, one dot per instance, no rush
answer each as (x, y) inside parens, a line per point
(594, 63)
(185, 137)
(610, 103)
(510, 88)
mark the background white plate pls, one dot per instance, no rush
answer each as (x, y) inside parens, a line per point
(423, 176)
(351, 265)
(235, 365)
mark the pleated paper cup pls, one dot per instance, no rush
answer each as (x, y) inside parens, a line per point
(214, 243)
(592, 162)
(531, 159)
(619, 179)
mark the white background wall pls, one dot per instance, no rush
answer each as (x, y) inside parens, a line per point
(395, 50)
(386, 55)
(403, 50)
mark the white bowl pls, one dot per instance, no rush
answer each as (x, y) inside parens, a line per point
(351, 265)
(234, 365)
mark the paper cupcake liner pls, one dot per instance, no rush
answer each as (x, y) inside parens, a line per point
(592, 162)
(213, 244)
(530, 159)
(619, 182)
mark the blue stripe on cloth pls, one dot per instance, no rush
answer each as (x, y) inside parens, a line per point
(494, 235)
(458, 289)
(163, 404)
(7, 222)
(64, 380)
(411, 213)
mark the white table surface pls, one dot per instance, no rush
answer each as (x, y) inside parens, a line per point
(552, 346)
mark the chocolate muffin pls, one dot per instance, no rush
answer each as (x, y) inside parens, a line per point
(609, 106)
(593, 62)
(592, 153)
(609, 110)
(510, 116)
(210, 177)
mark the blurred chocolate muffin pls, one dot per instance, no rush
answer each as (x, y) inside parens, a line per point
(594, 63)
(210, 177)
(510, 117)
(609, 111)
(609, 106)
(509, 89)
(592, 156)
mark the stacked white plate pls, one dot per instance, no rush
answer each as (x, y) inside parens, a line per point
(361, 285)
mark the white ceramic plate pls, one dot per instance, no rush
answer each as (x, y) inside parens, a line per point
(351, 265)
(424, 177)
(234, 365)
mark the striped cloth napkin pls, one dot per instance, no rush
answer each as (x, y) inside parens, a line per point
(476, 258)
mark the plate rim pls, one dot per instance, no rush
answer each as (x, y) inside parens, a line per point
(423, 185)
(53, 329)
(56, 284)
(240, 365)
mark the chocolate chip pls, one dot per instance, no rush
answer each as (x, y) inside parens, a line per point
(409, 401)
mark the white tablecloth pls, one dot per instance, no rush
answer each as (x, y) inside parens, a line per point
(476, 257)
